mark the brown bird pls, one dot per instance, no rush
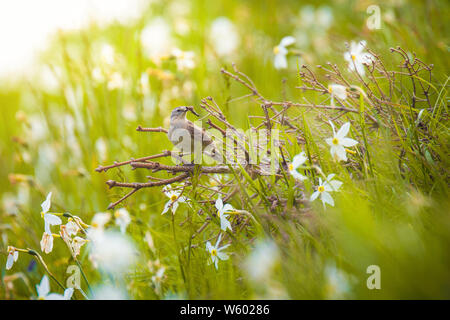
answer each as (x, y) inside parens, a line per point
(182, 133)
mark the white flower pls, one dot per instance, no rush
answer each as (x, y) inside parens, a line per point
(72, 228)
(224, 36)
(158, 276)
(216, 253)
(115, 81)
(76, 245)
(111, 251)
(324, 16)
(356, 57)
(174, 199)
(156, 39)
(68, 230)
(339, 283)
(261, 261)
(43, 291)
(337, 90)
(185, 59)
(280, 51)
(324, 188)
(122, 219)
(221, 213)
(216, 180)
(100, 219)
(107, 54)
(49, 219)
(97, 75)
(13, 255)
(298, 160)
(47, 242)
(339, 142)
(108, 292)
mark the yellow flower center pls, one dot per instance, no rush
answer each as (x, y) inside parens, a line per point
(214, 252)
(330, 89)
(335, 141)
(291, 167)
(173, 197)
(218, 213)
(353, 57)
(321, 189)
(276, 50)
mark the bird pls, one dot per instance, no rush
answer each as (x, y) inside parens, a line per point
(183, 133)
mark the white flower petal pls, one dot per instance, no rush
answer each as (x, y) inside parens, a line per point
(297, 175)
(314, 196)
(341, 154)
(10, 261)
(54, 296)
(51, 219)
(280, 61)
(68, 293)
(218, 240)
(222, 256)
(47, 203)
(224, 223)
(219, 204)
(348, 142)
(299, 160)
(227, 207)
(175, 206)
(166, 207)
(326, 198)
(343, 130)
(336, 184)
(287, 41)
(44, 287)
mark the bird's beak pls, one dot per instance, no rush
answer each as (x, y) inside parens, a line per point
(191, 109)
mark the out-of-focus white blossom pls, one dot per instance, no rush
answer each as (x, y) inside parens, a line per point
(184, 59)
(115, 81)
(107, 292)
(357, 57)
(107, 54)
(122, 219)
(100, 219)
(224, 36)
(280, 51)
(261, 261)
(156, 38)
(338, 282)
(111, 251)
